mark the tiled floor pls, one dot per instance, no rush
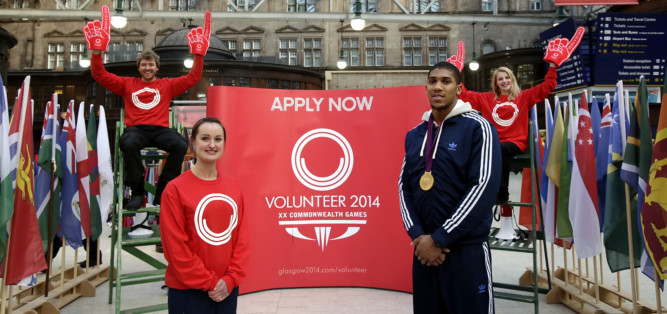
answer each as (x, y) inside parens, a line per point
(507, 267)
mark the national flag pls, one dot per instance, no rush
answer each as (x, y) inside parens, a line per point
(553, 167)
(615, 227)
(105, 166)
(527, 192)
(49, 153)
(25, 255)
(653, 215)
(637, 160)
(93, 177)
(563, 225)
(83, 170)
(6, 190)
(70, 219)
(595, 122)
(583, 193)
(602, 157)
(546, 185)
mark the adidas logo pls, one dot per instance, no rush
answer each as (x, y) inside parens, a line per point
(452, 146)
(482, 288)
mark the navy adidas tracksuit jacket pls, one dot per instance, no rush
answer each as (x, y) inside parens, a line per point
(456, 212)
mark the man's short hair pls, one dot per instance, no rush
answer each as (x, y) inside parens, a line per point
(447, 66)
(148, 55)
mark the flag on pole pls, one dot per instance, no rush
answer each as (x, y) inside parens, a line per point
(105, 167)
(527, 193)
(25, 255)
(583, 192)
(83, 170)
(563, 225)
(637, 161)
(546, 185)
(602, 157)
(553, 167)
(49, 153)
(70, 219)
(615, 227)
(595, 122)
(6, 190)
(93, 177)
(653, 215)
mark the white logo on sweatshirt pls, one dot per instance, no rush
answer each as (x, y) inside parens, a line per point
(204, 232)
(143, 105)
(505, 122)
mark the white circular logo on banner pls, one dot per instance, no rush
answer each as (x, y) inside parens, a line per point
(143, 105)
(329, 182)
(201, 226)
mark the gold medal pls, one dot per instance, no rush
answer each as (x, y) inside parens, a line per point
(426, 181)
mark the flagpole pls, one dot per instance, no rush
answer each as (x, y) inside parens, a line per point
(50, 227)
(633, 279)
(62, 264)
(4, 295)
(87, 253)
(658, 302)
(596, 285)
(567, 275)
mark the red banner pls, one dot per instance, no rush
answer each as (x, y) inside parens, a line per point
(596, 2)
(319, 173)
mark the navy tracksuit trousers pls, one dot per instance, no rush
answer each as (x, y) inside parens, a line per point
(193, 301)
(461, 284)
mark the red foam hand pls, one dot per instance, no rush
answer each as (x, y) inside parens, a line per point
(458, 59)
(198, 38)
(97, 33)
(560, 49)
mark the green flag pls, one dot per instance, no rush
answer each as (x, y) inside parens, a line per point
(95, 216)
(563, 225)
(6, 191)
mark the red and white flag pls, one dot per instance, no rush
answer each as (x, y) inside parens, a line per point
(583, 188)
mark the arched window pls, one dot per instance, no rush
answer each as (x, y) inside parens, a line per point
(488, 46)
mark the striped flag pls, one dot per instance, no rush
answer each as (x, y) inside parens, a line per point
(602, 157)
(526, 215)
(653, 216)
(93, 177)
(637, 161)
(105, 166)
(83, 171)
(70, 219)
(583, 193)
(615, 227)
(6, 170)
(546, 185)
(25, 256)
(553, 167)
(49, 153)
(563, 225)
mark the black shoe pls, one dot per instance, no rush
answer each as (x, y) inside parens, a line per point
(158, 248)
(91, 264)
(135, 202)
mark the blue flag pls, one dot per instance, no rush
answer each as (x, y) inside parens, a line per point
(70, 217)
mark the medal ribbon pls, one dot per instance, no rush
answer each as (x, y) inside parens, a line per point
(431, 143)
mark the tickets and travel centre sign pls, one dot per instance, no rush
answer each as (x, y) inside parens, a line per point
(319, 174)
(630, 45)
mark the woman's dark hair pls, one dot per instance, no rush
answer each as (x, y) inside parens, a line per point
(195, 128)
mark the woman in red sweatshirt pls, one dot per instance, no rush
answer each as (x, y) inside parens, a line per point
(204, 230)
(507, 107)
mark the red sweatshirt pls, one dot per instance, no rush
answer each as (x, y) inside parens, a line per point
(511, 117)
(146, 103)
(204, 232)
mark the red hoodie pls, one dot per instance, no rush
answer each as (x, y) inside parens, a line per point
(204, 232)
(146, 103)
(511, 117)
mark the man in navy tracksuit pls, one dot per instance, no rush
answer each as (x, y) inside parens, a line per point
(448, 185)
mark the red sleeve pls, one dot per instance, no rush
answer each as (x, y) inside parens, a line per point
(182, 83)
(112, 82)
(475, 99)
(190, 269)
(238, 265)
(541, 91)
